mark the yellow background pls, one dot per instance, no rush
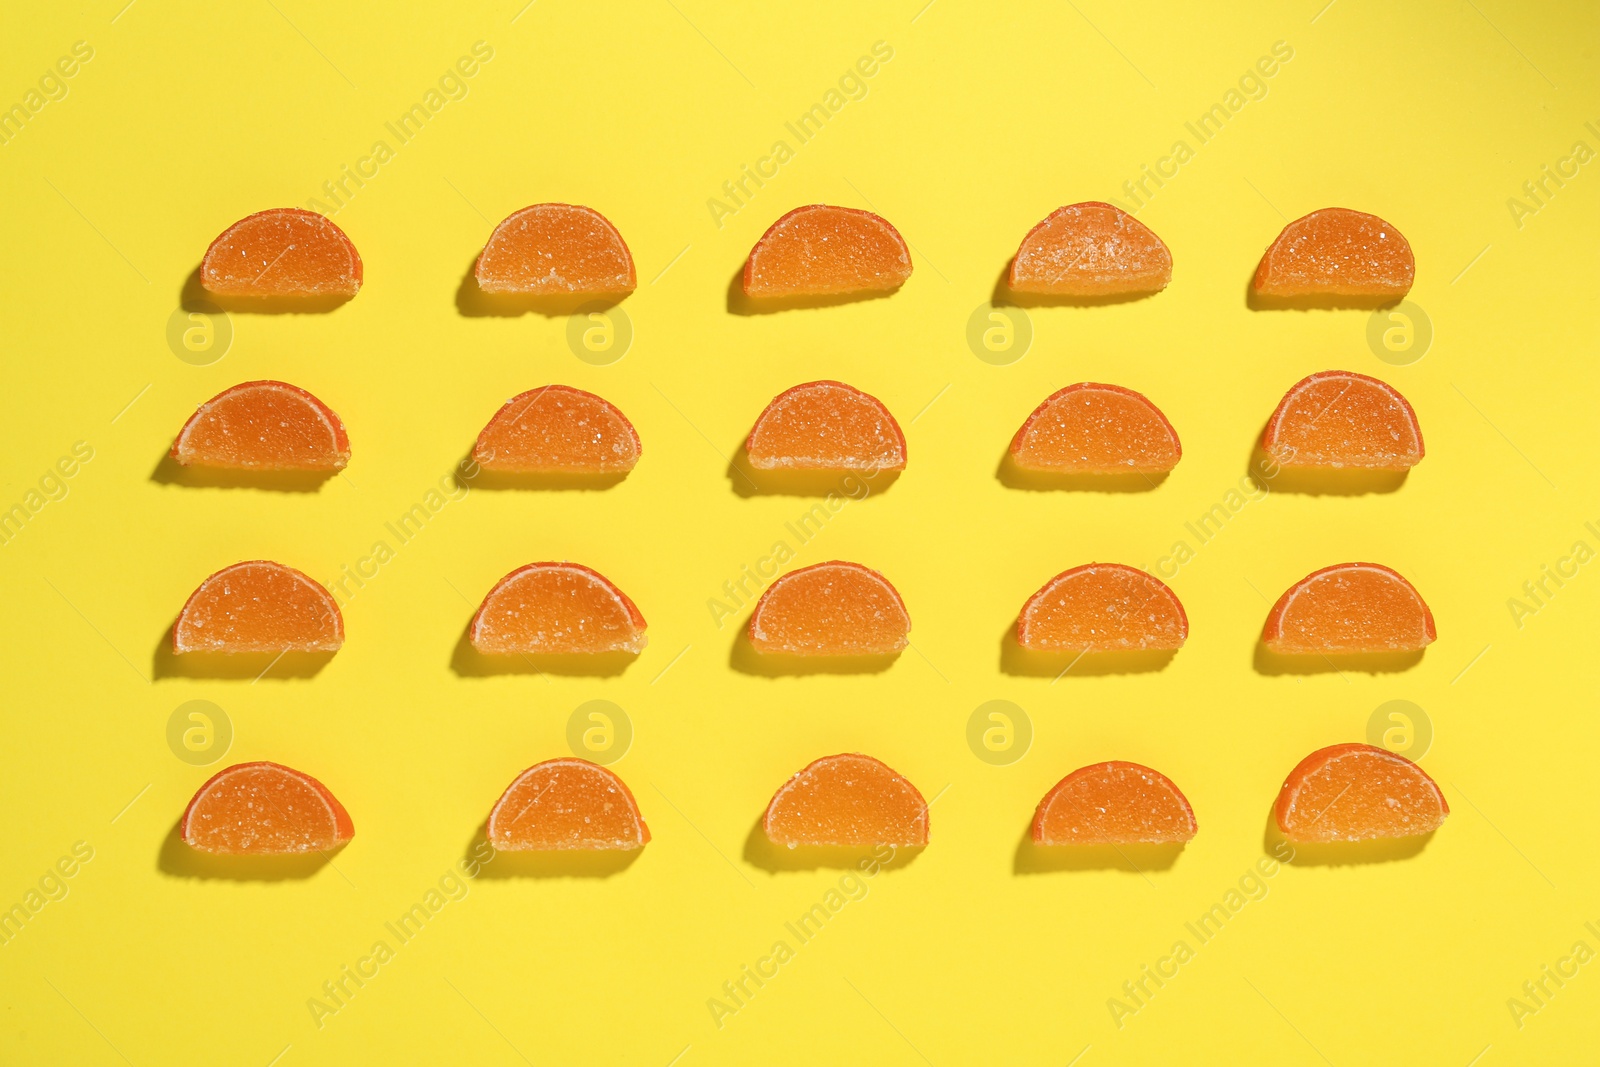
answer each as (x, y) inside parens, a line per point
(988, 117)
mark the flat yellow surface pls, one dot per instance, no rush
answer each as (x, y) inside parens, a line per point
(982, 120)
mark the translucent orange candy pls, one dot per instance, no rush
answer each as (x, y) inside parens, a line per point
(264, 425)
(1102, 607)
(556, 609)
(264, 809)
(1090, 249)
(258, 606)
(830, 609)
(1113, 803)
(283, 252)
(1096, 429)
(1340, 419)
(564, 804)
(1355, 793)
(821, 250)
(1337, 252)
(557, 428)
(826, 426)
(556, 249)
(847, 800)
(1349, 608)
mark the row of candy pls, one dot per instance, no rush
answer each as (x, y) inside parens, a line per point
(1346, 792)
(824, 612)
(1090, 250)
(1333, 421)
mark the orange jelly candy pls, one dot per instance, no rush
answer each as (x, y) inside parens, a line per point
(847, 800)
(1349, 608)
(258, 606)
(264, 809)
(1340, 419)
(1102, 607)
(1337, 252)
(830, 609)
(826, 426)
(1113, 803)
(557, 429)
(821, 250)
(1096, 429)
(564, 804)
(558, 250)
(283, 252)
(1357, 792)
(1090, 249)
(556, 609)
(270, 426)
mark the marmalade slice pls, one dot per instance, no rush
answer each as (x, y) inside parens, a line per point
(282, 252)
(264, 809)
(265, 425)
(826, 426)
(830, 609)
(556, 250)
(1357, 792)
(820, 250)
(1340, 419)
(1113, 803)
(1337, 252)
(556, 609)
(566, 804)
(847, 800)
(1096, 429)
(558, 429)
(1103, 607)
(258, 606)
(1090, 249)
(1349, 608)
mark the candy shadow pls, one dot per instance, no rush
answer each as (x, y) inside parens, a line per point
(740, 304)
(1014, 477)
(1005, 296)
(749, 481)
(177, 860)
(746, 660)
(195, 297)
(555, 481)
(239, 666)
(170, 472)
(468, 662)
(1274, 663)
(1349, 481)
(1339, 853)
(763, 852)
(1314, 301)
(1129, 859)
(473, 303)
(1027, 663)
(563, 863)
